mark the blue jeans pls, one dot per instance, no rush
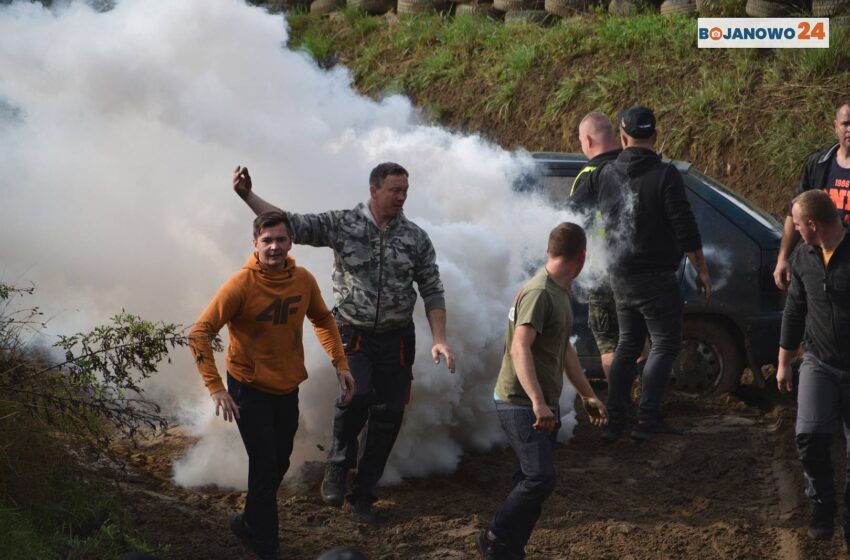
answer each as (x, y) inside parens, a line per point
(267, 424)
(651, 304)
(534, 478)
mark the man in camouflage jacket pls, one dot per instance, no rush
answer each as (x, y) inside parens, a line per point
(378, 255)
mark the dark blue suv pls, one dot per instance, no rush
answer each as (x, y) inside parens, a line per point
(740, 328)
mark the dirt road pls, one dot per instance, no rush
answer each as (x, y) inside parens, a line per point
(732, 488)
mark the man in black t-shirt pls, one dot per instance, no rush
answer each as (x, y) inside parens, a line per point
(829, 171)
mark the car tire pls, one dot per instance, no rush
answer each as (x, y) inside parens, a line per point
(767, 9)
(326, 7)
(477, 10)
(829, 8)
(709, 8)
(711, 360)
(682, 7)
(520, 17)
(565, 8)
(622, 8)
(421, 6)
(517, 5)
(372, 7)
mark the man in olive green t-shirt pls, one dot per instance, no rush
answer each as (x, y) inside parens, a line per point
(537, 353)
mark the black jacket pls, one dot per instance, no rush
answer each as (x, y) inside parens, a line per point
(816, 170)
(818, 304)
(582, 183)
(648, 219)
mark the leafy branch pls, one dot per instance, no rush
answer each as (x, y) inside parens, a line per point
(96, 391)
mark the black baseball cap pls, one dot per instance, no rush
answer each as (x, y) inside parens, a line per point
(637, 121)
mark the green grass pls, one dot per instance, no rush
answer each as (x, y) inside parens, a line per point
(317, 43)
(529, 85)
(48, 510)
(76, 521)
(566, 92)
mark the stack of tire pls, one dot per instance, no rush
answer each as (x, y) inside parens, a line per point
(623, 7)
(678, 7)
(709, 8)
(518, 12)
(834, 9)
(275, 6)
(373, 7)
(774, 8)
(326, 7)
(422, 6)
(477, 9)
(565, 8)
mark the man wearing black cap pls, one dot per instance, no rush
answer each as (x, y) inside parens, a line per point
(648, 225)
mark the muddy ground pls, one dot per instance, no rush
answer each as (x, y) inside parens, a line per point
(731, 488)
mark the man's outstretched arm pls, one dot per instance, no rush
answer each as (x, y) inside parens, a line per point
(242, 186)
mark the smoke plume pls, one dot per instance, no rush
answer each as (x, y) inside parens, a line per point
(120, 130)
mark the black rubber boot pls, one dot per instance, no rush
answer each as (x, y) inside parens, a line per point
(821, 522)
(333, 485)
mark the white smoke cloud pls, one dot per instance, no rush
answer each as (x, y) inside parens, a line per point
(120, 131)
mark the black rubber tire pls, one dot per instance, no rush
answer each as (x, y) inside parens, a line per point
(477, 10)
(711, 361)
(565, 8)
(622, 8)
(683, 7)
(374, 7)
(517, 5)
(520, 17)
(829, 8)
(325, 7)
(420, 6)
(840, 20)
(709, 8)
(768, 9)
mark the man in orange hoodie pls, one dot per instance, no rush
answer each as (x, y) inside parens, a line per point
(263, 306)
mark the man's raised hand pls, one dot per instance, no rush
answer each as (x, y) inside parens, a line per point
(241, 181)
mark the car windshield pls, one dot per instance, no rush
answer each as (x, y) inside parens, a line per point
(757, 213)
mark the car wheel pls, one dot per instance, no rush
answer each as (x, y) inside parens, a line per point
(710, 362)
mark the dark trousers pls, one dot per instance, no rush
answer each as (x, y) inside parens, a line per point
(267, 424)
(646, 304)
(823, 400)
(381, 365)
(534, 478)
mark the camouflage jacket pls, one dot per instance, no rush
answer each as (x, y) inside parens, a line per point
(374, 271)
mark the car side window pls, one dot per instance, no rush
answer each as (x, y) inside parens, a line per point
(556, 189)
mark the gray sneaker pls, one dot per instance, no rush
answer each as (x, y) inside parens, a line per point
(333, 485)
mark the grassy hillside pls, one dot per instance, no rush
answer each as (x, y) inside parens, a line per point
(745, 116)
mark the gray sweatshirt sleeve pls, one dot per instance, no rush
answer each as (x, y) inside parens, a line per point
(426, 274)
(318, 230)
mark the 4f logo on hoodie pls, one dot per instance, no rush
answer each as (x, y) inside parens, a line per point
(279, 311)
